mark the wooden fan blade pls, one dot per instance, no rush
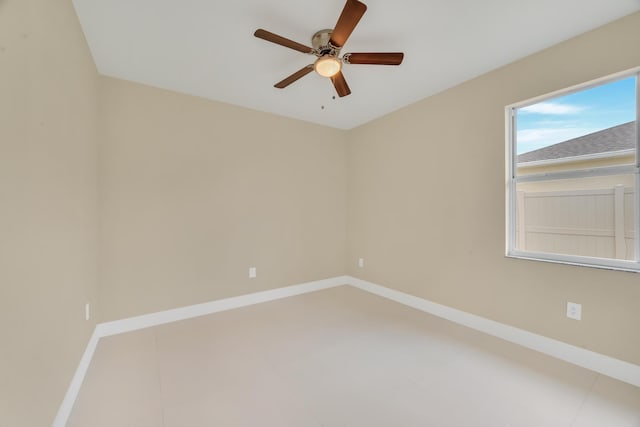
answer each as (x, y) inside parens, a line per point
(295, 76)
(340, 84)
(349, 18)
(374, 58)
(274, 38)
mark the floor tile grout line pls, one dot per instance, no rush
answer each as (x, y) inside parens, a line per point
(157, 352)
(584, 399)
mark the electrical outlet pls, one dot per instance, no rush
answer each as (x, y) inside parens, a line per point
(574, 310)
(252, 273)
(87, 311)
(361, 262)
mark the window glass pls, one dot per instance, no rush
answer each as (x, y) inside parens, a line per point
(590, 217)
(575, 130)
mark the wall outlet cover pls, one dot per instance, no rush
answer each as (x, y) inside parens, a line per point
(574, 310)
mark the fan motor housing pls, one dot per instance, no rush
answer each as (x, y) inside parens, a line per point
(321, 43)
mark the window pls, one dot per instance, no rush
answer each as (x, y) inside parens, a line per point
(573, 175)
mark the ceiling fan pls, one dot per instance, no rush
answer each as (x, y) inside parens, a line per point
(327, 45)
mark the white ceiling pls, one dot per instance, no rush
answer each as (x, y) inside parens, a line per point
(206, 47)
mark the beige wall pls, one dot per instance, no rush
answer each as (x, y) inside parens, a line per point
(195, 192)
(427, 196)
(48, 210)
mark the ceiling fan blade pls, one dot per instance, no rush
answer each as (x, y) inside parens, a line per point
(349, 18)
(374, 58)
(274, 38)
(340, 84)
(295, 76)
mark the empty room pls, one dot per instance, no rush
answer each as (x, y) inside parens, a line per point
(326, 214)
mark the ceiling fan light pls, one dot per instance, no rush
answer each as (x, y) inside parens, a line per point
(327, 66)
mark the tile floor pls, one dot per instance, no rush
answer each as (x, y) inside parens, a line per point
(338, 358)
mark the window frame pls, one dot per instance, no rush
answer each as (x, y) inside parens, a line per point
(512, 180)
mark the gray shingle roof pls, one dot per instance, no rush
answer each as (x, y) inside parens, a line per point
(621, 137)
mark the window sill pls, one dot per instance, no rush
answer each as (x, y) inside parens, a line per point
(601, 263)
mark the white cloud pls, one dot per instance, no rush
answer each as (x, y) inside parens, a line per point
(552, 108)
(532, 139)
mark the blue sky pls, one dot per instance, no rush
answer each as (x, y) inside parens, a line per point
(570, 116)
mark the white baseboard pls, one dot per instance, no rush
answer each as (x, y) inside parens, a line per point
(600, 363)
(609, 366)
(168, 316)
(182, 313)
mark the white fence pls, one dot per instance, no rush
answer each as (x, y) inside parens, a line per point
(595, 223)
